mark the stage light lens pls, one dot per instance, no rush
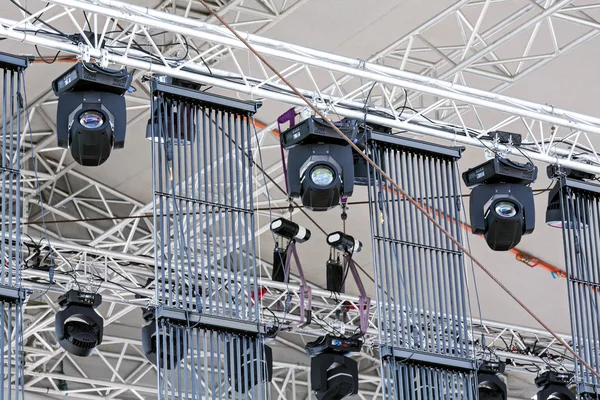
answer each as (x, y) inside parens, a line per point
(506, 209)
(91, 119)
(322, 176)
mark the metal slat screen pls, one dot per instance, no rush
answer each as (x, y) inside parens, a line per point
(204, 248)
(11, 310)
(215, 365)
(420, 277)
(581, 209)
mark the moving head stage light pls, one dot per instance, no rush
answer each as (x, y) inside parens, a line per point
(91, 117)
(243, 357)
(78, 326)
(322, 167)
(168, 342)
(333, 376)
(490, 386)
(553, 385)
(554, 216)
(501, 207)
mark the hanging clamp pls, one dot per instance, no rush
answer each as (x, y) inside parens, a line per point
(84, 52)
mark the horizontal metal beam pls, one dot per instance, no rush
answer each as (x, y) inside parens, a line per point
(391, 81)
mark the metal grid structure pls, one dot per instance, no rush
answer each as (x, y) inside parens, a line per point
(580, 209)
(132, 235)
(12, 295)
(531, 349)
(552, 134)
(206, 284)
(420, 276)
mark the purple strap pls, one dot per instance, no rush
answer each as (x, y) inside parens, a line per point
(288, 116)
(364, 301)
(305, 290)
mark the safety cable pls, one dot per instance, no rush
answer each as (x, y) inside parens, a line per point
(400, 190)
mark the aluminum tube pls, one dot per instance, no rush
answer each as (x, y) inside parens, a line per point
(293, 100)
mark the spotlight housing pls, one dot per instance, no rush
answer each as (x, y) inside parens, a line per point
(168, 343)
(243, 375)
(290, 230)
(554, 218)
(554, 385)
(333, 375)
(502, 207)
(344, 242)
(320, 165)
(490, 386)
(78, 327)
(91, 117)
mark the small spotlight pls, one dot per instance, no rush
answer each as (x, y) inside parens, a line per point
(91, 117)
(343, 242)
(554, 385)
(78, 327)
(290, 230)
(500, 185)
(320, 165)
(151, 341)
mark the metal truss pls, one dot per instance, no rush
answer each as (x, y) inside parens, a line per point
(552, 135)
(431, 77)
(120, 278)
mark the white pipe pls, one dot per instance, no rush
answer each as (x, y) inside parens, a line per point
(149, 17)
(291, 99)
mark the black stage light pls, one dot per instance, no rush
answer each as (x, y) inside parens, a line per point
(490, 386)
(502, 207)
(290, 230)
(178, 124)
(168, 342)
(554, 217)
(333, 375)
(554, 385)
(91, 117)
(244, 365)
(77, 325)
(320, 165)
(343, 242)
(335, 276)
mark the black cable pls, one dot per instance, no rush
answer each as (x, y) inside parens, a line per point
(404, 105)
(544, 190)
(40, 20)
(87, 21)
(42, 57)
